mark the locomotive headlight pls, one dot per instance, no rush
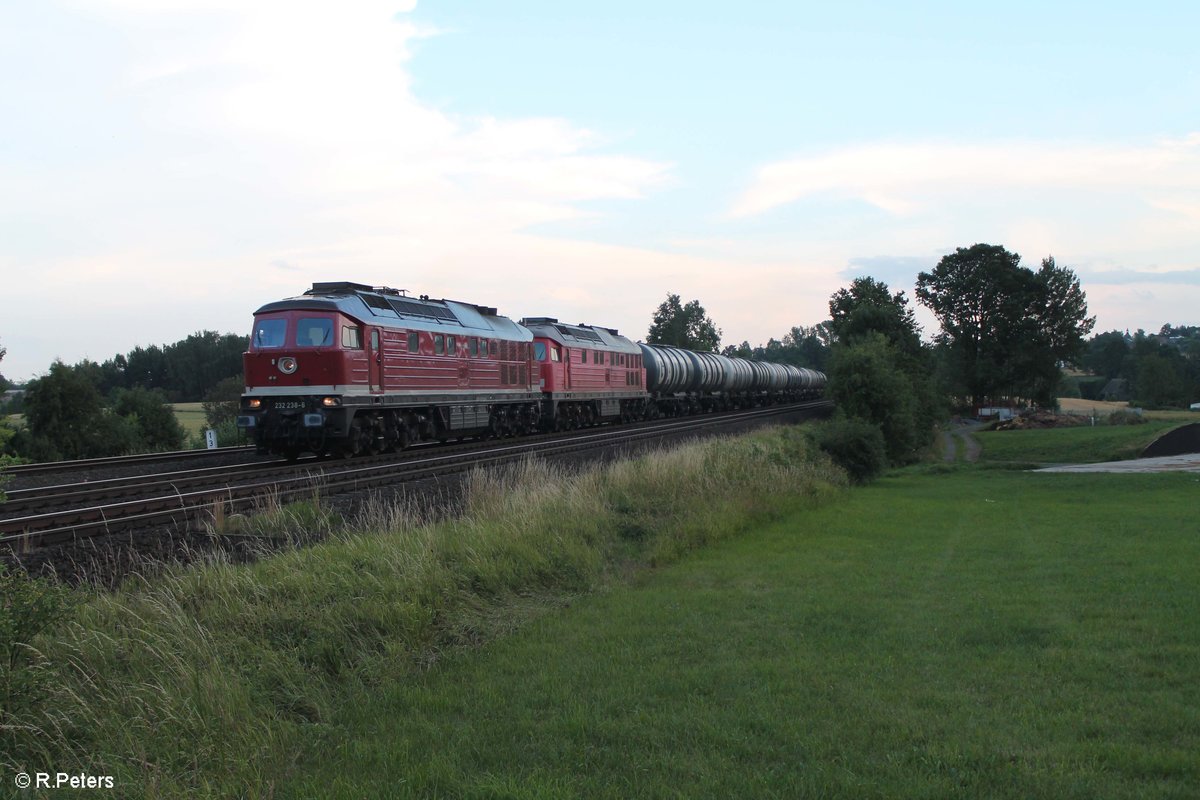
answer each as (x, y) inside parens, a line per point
(330, 402)
(287, 365)
(253, 403)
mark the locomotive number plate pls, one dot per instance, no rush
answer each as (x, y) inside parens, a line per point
(287, 405)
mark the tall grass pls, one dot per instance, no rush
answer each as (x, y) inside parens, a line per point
(215, 680)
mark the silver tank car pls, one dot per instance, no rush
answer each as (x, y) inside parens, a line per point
(669, 370)
(710, 372)
(738, 374)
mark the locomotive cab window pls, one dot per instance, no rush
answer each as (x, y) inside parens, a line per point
(555, 354)
(351, 338)
(316, 332)
(269, 333)
(539, 351)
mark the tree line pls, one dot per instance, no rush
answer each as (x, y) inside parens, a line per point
(1151, 370)
(122, 405)
(1006, 331)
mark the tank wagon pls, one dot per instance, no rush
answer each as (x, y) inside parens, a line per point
(347, 369)
(685, 382)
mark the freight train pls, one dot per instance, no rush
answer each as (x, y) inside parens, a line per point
(349, 369)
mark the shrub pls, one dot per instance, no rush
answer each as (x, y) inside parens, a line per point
(855, 446)
(27, 607)
(1125, 417)
(228, 435)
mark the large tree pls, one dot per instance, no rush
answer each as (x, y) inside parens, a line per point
(1004, 326)
(685, 326)
(867, 306)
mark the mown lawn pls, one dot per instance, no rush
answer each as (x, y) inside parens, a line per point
(1078, 445)
(962, 633)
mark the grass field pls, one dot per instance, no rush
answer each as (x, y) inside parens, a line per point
(962, 634)
(1075, 405)
(720, 621)
(1076, 445)
(191, 417)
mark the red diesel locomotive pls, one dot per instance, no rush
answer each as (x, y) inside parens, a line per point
(348, 369)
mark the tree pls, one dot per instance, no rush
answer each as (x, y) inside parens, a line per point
(801, 346)
(201, 361)
(1105, 354)
(4, 384)
(1005, 328)
(686, 326)
(1159, 382)
(67, 419)
(222, 402)
(151, 417)
(868, 306)
(867, 384)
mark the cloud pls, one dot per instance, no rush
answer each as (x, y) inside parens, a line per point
(899, 272)
(1125, 277)
(218, 154)
(903, 179)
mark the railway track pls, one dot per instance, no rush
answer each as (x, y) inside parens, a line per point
(38, 518)
(85, 464)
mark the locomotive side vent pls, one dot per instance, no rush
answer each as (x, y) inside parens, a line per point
(579, 333)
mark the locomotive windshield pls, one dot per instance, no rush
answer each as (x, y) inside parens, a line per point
(269, 333)
(315, 332)
(539, 351)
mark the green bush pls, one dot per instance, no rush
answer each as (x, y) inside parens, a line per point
(27, 608)
(228, 435)
(855, 446)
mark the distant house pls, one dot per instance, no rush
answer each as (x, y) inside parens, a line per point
(1116, 389)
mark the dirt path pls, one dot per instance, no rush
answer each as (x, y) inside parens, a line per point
(949, 450)
(962, 432)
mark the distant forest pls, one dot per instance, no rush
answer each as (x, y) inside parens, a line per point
(184, 371)
(1159, 370)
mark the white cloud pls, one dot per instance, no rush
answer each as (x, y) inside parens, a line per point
(906, 178)
(235, 137)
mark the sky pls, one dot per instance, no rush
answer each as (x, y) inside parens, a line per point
(168, 167)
